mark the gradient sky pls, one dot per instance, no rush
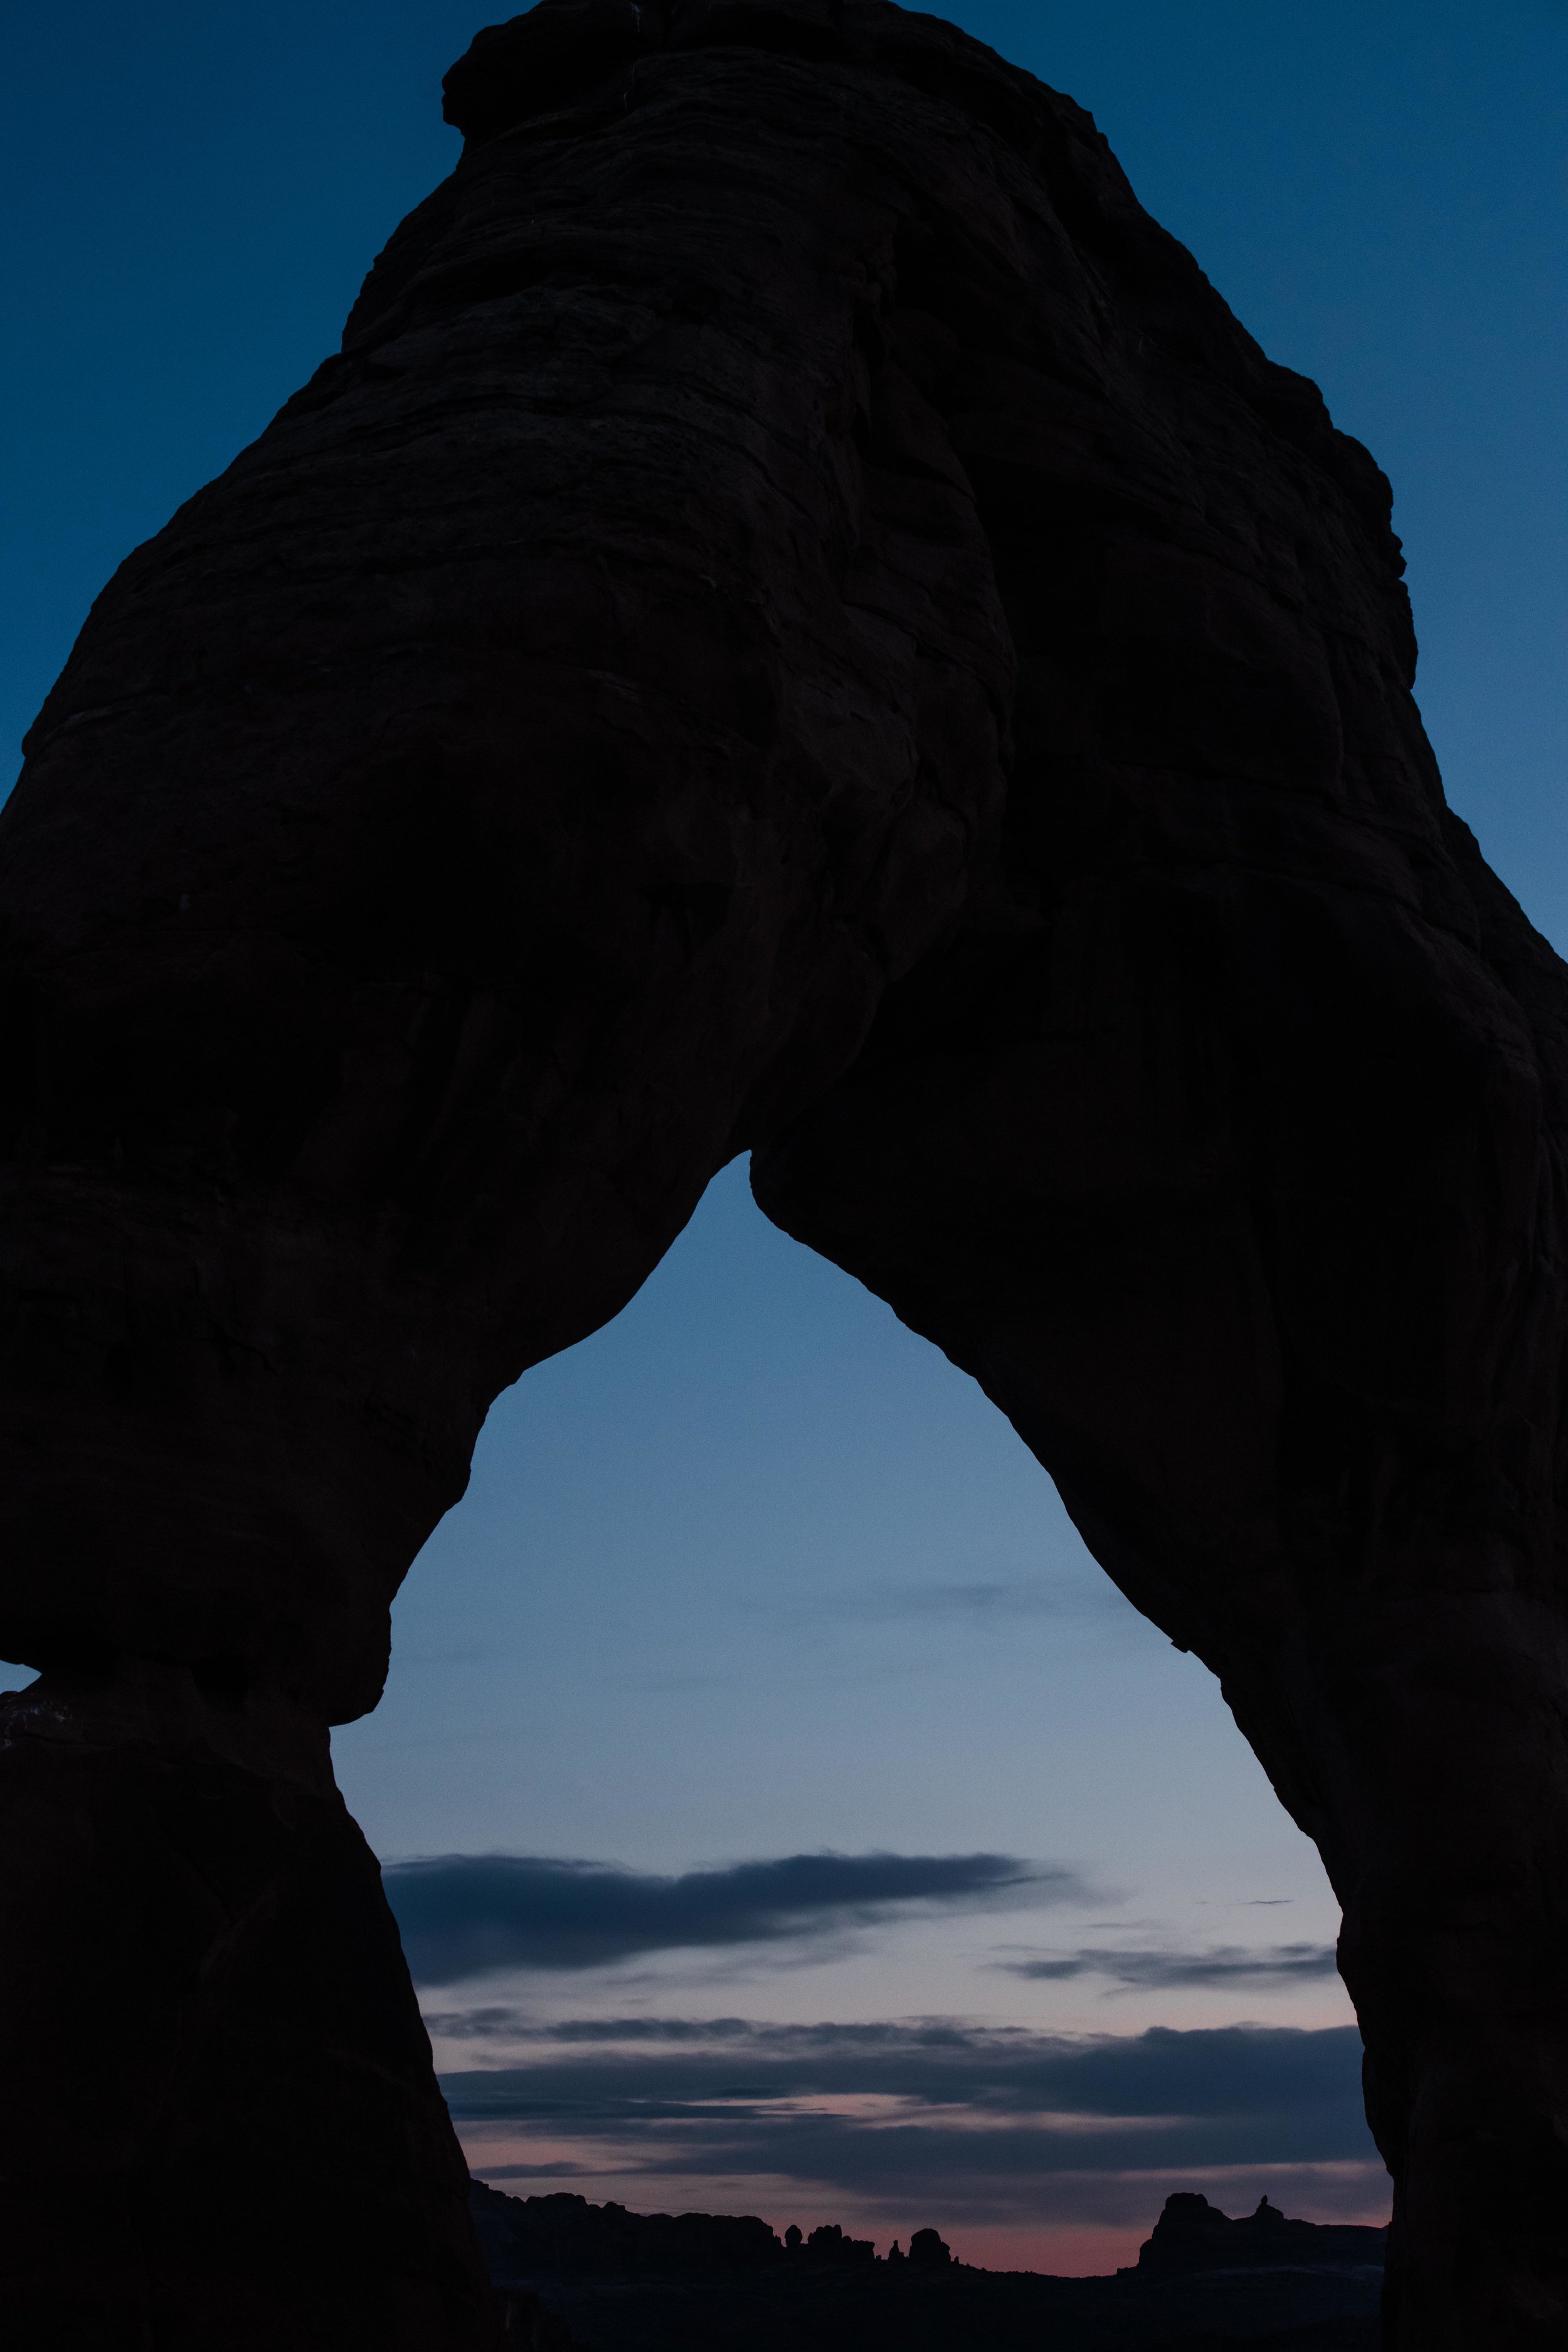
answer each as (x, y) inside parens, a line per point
(754, 1574)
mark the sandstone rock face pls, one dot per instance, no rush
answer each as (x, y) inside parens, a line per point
(796, 621)
(223, 2133)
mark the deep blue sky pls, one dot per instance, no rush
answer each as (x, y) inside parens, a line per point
(753, 1572)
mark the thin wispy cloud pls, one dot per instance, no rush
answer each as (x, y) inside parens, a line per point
(997, 1601)
(1275, 1967)
(468, 1915)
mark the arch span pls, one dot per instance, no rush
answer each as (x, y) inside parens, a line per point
(798, 620)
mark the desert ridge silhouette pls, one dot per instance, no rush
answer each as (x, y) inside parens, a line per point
(622, 2281)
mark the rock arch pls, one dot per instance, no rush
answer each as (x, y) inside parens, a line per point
(796, 621)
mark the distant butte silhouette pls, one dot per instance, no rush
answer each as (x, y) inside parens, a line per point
(797, 623)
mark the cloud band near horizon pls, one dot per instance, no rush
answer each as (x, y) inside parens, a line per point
(994, 2121)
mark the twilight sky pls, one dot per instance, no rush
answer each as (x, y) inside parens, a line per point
(787, 1816)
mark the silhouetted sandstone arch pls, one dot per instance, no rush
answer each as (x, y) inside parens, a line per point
(797, 622)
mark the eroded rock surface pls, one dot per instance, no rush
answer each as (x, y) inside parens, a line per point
(799, 621)
(222, 2131)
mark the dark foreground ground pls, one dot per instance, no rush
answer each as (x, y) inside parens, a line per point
(633, 2290)
(967, 2311)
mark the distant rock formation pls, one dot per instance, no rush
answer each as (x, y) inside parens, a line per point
(928, 2252)
(796, 621)
(1192, 2235)
(529, 2237)
(625, 2282)
(563, 2234)
(830, 2245)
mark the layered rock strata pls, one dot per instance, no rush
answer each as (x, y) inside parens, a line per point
(797, 621)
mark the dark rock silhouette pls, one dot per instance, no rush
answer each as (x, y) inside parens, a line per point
(928, 2252)
(524, 2237)
(219, 2106)
(799, 622)
(1192, 2235)
(565, 2235)
(829, 2244)
(624, 2281)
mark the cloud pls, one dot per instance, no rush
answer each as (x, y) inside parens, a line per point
(1274, 1968)
(465, 1916)
(541, 2171)
(998, 1602)
(1221, 2073)
(998, 2118)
